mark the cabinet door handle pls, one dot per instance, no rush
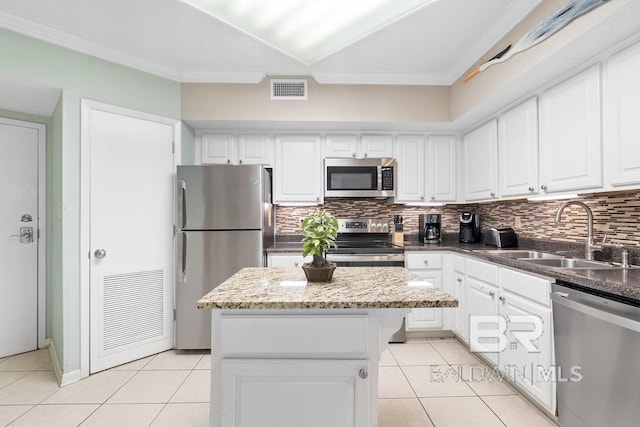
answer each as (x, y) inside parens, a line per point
(501, 298)
(459, 279)
(363, 373)
(493, 194)
(295, 264)
(531, 189)
(492, 294)
(353, 155)
(228, 160)
(543, 187)
(365, 154)
(426, 262)
(240, 161)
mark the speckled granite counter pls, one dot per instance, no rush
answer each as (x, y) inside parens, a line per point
(351, 287)
(624, 284)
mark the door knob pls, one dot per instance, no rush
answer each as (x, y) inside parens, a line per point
(100, 253)
(26, 235)
(363, 373)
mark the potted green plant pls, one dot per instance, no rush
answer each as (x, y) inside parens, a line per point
(320, 231)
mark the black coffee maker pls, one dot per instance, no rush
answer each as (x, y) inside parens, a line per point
(469, 228)
(429, 226)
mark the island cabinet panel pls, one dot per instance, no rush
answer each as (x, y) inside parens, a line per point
(457, 289)
(346, 335)
(279, 391)
(287, 260)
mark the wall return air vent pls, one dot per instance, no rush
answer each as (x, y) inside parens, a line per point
(288, 89)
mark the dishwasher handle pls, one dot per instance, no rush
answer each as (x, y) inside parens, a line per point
(564, 299)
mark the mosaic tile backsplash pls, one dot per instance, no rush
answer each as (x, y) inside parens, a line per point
(616, 214)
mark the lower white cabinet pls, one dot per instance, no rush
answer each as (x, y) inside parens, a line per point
(286, 259)
(427, 266)
(457, 288)
(280, 388)
(510, 317)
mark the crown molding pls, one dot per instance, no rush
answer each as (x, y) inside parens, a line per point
(382, 79)
(246, 77)
(61, 38)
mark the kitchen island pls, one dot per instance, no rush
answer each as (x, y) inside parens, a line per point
(287, 353)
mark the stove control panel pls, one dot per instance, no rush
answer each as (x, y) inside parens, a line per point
(368, 225)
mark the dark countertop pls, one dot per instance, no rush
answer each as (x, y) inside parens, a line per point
(620, 283)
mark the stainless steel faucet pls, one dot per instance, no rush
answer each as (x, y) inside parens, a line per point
(589, 247)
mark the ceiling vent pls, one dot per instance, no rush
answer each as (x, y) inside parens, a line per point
(288, 89)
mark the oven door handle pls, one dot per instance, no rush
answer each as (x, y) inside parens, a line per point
(365, 257)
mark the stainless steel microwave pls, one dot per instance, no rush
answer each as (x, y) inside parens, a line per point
(360, 178)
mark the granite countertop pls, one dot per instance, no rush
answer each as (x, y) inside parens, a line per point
(351, 287)
(620, 283)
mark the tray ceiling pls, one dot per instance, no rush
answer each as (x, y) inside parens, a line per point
(430, 42)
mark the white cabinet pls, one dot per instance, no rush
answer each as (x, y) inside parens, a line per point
(410, 159)
(528, 358)
(482, 306)
(287, 259)
(298, 174)
(621, 121)
(517, 331)
(342, 146)
(570, 135)
(518, 150)
(427, 266)
(457, 288)
(236, 150)
(374, 145)
(356, 146)
(426, 169)
(440, 175)
(481, 162)
(252, 388)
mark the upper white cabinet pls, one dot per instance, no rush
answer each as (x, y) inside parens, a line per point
(410, 158)
(236, 150)
(481, 162)
(355, 146)
(216, 149)
(426, 168)
(255, 150)
(570, 134)
(518, 150)
(297, 170)
(377, 145)
(342, 146)
(440, 175)
(621, 120)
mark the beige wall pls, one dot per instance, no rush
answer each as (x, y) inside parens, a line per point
(465, 96)
(332, 103)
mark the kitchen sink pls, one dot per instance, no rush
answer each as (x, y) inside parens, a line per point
(571, 263)
(521, 254)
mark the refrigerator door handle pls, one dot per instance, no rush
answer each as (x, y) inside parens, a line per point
(184, 257)
(183, 204)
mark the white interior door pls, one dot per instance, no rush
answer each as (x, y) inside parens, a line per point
(131, 237)
(19, 159)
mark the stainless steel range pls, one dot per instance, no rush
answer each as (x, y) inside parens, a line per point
(365, 243)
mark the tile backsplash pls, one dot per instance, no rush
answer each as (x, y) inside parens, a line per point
(616, 214)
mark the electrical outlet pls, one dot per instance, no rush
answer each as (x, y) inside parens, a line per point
(518, 222)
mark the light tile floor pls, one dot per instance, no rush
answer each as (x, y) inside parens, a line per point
(422, 384)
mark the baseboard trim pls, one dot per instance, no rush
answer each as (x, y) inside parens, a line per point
(63, 379)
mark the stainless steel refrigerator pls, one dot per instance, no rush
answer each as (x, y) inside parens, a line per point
(225, 222)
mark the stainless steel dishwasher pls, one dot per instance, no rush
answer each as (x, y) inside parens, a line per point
(597, 347)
